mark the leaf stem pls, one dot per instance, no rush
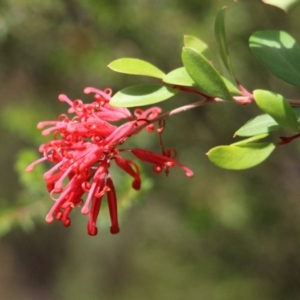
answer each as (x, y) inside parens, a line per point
(294, 102)
(286, 140)
(242, 100)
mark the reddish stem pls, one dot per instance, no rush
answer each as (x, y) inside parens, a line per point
(246, 99)
(286, 140)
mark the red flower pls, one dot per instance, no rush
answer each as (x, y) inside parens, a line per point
(83, 148)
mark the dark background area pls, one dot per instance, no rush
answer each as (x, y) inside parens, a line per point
(221, 235)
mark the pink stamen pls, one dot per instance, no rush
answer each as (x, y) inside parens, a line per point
(32, 165)
(106, 94)
(59, 183)
(85, 209)
(64, 98)
(49, 173)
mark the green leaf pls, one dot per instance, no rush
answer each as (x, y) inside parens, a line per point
(251, 139)
(142, 94)
(240, 157)
(221, 40)
(179, 77)
(194, 43)
(285, 5)
(258, 125)
(278, 108)
(278, 52)
(204, 74)
(134, 66)
(263, 124)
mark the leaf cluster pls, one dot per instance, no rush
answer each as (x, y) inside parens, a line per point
(275, 49)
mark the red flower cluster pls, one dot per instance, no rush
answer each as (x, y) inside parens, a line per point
(82, 149)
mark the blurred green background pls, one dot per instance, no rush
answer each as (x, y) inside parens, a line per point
(221, 235)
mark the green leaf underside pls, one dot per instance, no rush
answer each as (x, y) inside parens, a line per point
(204, 74)
(278, 108)
(142, 94)
(285, 5)
(179, 77)
(134, 66)
(240, 157)
(221, 39)
(263, 124)
(196, 44)
(251, 139)
(278, 52)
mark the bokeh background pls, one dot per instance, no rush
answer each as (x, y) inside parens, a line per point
(222, 235)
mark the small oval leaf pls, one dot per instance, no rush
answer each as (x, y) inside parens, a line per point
(179, 77)
(240, 157)
(134, 66)
(194, 43)
(258, 125)
(278, 52)
(278, 108)
(142, 94)
(204, 74)
(221, 40)
(263, 124)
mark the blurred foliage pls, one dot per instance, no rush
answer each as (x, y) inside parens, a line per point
(221, 235)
